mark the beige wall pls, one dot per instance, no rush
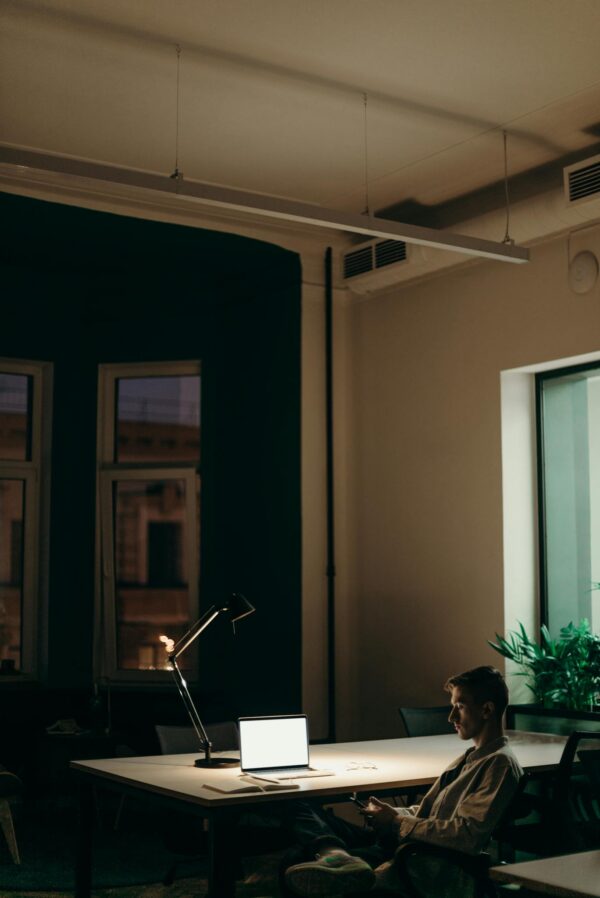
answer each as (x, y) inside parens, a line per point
(422, 516)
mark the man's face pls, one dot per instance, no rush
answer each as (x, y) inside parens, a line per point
(468, 717)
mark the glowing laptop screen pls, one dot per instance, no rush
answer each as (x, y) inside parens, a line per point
(273, 742)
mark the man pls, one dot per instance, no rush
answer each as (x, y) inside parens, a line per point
(460, 811)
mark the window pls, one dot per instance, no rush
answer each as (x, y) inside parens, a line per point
(149, 448)
(568, 404)
(22, 399)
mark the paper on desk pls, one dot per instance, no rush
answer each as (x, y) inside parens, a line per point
(248, 784)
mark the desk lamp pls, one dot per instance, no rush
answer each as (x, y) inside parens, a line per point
(237, 607)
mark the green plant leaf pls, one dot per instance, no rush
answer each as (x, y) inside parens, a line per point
(563, 671)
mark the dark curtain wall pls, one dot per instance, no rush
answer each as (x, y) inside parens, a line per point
(80, 288)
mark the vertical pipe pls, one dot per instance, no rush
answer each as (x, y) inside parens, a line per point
(541, 495)
(331, 709)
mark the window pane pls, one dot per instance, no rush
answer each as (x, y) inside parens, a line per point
(158, 419)
(570, 433)
(15, 416)
(152, 589)
(12, 503)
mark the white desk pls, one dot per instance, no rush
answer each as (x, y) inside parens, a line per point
(173, 781)
(569, 876)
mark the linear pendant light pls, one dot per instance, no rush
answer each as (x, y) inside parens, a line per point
(259, 204)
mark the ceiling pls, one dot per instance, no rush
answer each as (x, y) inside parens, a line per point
(394, 105)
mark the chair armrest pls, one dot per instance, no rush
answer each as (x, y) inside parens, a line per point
(474, 865)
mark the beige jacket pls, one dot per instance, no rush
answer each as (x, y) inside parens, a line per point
(460, 811)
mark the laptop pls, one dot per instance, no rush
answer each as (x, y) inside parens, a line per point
(277, 747)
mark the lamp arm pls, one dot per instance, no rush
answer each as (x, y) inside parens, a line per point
(190, 707)
(194, 631)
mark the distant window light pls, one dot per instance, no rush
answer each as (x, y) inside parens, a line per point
(16, 396)
(568, 402)
(154, 417)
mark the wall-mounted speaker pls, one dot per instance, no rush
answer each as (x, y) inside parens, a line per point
(583, 272)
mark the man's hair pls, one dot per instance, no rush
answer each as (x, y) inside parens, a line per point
(486, 684)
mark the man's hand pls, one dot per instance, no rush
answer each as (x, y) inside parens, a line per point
(378, 813)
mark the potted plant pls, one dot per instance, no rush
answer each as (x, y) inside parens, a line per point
(563, 672)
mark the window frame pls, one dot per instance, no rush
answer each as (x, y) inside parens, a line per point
(540, 378)
(34, 598)
(110, 472)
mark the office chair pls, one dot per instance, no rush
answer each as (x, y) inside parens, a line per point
(186, 835)
(576, 793)
(431, 721)
(567, 812)
(573, 822)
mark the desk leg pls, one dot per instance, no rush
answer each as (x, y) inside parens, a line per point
(83, 864)
(221, 863)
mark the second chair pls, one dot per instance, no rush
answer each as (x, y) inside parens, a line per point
(176, 740)
(432, 721)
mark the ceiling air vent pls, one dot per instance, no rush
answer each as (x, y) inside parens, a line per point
(359, 261)
(389, 251)
(362, 267)
(582, 181)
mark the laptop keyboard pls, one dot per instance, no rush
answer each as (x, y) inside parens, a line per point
(294, 775)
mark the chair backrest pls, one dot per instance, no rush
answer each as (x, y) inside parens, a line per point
(522, 805)
(426, 721)
(573, 814)
(576, 794)
(590, 759)
(572, 753)
(563, 810)
(175, 740)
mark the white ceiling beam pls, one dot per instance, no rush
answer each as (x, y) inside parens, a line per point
(262, 205)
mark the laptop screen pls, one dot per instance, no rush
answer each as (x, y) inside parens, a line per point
(273, 741)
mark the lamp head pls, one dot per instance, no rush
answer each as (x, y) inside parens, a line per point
(238, 606)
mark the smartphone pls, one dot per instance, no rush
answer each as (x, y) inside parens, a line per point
(358, 802)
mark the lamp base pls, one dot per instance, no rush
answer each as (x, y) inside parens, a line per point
(217, 762)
